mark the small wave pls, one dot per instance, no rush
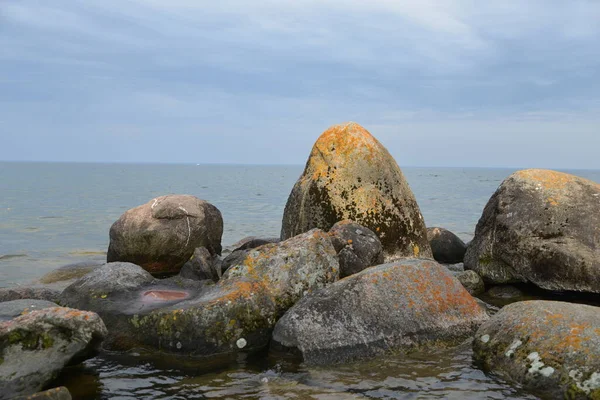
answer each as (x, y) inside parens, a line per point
(51, 217)
(9, 256)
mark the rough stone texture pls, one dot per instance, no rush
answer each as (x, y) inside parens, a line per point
(551, 348)
(36, 346)
(202, 265)
(29, 292)
(59, 393)
(471, 281)
(162, 234)
(391, 307)
(447, 248)
(350, 175)
(357, 247)
(187, 317)
(504, 292)
(541, 227)
(15, 308)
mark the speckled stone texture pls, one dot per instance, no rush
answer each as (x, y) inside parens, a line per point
(541, 227)
(350, 175)
(551, 348)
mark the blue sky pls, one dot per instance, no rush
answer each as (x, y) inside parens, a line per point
(440, 83)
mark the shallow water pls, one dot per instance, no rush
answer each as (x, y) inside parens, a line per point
(53, 214)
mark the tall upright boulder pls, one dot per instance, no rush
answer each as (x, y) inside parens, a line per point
(542, 227)
(350, 175)
(161, 235)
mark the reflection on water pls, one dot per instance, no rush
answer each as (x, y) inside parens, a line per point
(441, 374)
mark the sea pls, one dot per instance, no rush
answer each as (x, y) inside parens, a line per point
(55, 214)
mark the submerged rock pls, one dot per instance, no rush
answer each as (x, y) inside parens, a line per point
(70, 272)
(188, 317)
(447, 248)
(59, 393)
(550, 348)
(162, 234)
(350, 175)
(15, 308)
(29, 292)
(357, 247)
(390, 307)
(35, 347)
(541, 227)
(471, 281)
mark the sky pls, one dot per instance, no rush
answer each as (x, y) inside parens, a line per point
(511, 83)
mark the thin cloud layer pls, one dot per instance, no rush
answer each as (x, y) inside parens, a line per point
(457, 83)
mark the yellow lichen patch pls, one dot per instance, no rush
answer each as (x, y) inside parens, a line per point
(416, 250)
(548, 179)
(552, 201)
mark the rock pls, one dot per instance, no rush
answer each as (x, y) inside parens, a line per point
(202, 265)
(550, 348)
(29, 292)
(357, 247)
(504, 292)
(70, 272)
(240, 252)
(397, 306)
(162, 234)
(59, 393)
(541, 227)
(12, 309)
(195, 318)
(35, 347)
(447, 248)
(471, 281)
(350, 175)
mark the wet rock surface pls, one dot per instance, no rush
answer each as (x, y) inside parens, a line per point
(350, 175)
(59, 393)
(397, 306)
(357, 247)
(551, 348)
(446, 247)
(162, 234)
(195, 318)
(36, 346)
(542, 227)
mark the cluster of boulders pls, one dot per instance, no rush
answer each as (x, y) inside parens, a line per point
(354, 274)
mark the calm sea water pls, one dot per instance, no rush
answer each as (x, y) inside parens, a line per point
(52, 214)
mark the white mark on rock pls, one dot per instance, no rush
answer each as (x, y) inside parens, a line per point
(537, 365)
(485, 338)
(187, 218)
(179, 345)
(358, 232)
(592, 383)
(265, 380)
(241, 343)
(155, 203)
(513, 347)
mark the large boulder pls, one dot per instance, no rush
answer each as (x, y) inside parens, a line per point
(551, 348)
(203, 318)
(350, 175)
(447, 248)
(35, 347)
(162, 234)
(357, 247)
(390, 307)
(541, 227)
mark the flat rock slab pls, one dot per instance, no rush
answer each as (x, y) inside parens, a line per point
(397, 306)
(551, 348)
(35, 347)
